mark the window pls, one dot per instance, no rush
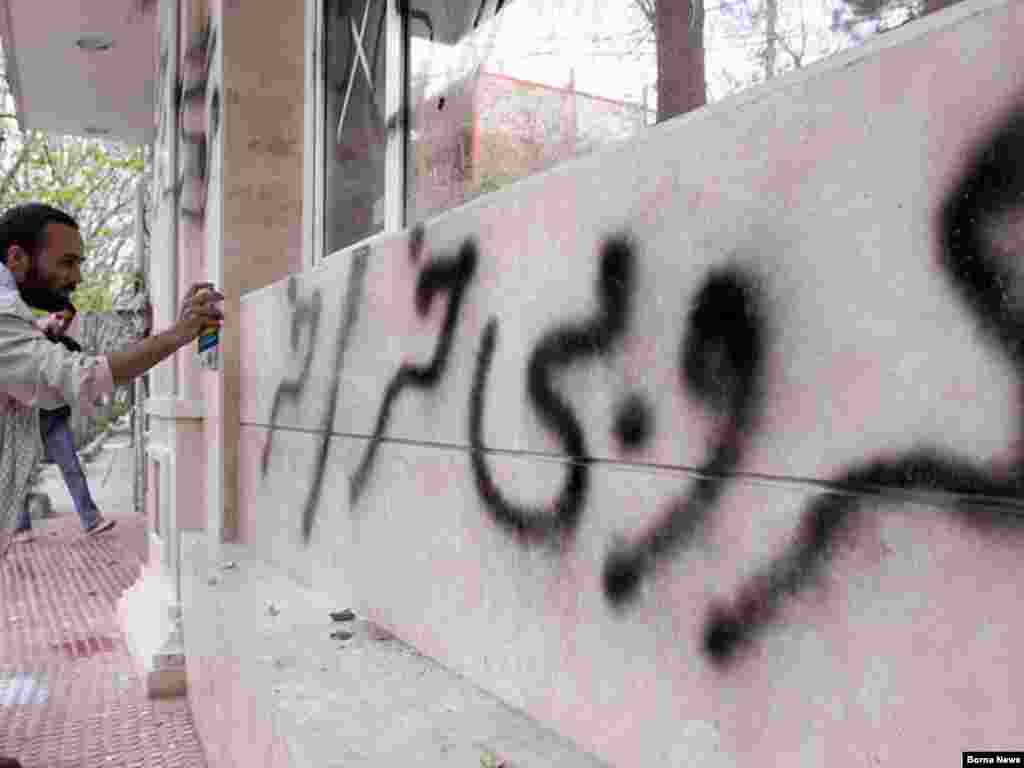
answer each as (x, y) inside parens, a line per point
(355, 120)
(501, 98)
(451, 99)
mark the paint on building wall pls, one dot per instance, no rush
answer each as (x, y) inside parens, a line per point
(724, 345)
(305, 315)
(353, 302)
(720, 362)
(564, 346)
(992, 185)
(445, 275)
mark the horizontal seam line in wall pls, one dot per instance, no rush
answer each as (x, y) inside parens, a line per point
(935, 498)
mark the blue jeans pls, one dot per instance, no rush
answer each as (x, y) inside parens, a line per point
(60, 449)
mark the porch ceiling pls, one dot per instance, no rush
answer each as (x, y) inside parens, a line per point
(60, 88)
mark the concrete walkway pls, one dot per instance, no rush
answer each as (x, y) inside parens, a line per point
(70, 692)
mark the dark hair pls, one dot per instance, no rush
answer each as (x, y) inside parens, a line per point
(25, 224)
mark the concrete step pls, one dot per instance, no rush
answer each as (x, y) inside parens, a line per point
(298, 689)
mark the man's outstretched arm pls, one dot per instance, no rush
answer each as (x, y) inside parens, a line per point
(37, 372)
(198, 310)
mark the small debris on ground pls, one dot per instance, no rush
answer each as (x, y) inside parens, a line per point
(492, 760)
(231, 565)
(272, 610)
(378, 633)
(213, 581)
(341, 635)
(346, 615)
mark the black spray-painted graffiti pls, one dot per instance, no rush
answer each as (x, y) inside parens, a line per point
(721, 362)
(558, 349)
(304, 313)
(353, 302)
(992, 185)
(443, 276)
(633, 423)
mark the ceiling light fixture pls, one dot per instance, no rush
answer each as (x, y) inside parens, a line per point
(95, 43)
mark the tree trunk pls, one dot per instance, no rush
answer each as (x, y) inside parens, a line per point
(679, 27)
(771, 32)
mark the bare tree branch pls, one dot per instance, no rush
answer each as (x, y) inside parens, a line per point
(23, 154)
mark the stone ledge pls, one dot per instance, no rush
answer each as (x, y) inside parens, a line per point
(176, 408)
(254, 635)
(147, 615)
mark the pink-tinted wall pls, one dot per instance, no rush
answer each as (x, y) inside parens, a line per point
(709, 446)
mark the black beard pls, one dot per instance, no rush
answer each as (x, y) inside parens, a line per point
(37, 295)
(43, 298)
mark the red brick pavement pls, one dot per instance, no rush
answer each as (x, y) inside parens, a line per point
(71, 695)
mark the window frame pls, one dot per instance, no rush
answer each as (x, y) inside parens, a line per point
(396, 92)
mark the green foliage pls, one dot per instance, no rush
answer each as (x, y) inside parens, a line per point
(490, 759)
(95, 293)
(94, 181)
(117, 410)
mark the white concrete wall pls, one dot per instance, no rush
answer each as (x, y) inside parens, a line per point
(811, 206)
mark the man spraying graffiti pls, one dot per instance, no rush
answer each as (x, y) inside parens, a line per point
(41, 251)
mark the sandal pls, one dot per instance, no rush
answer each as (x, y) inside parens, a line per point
(102, 526)
(22, 537)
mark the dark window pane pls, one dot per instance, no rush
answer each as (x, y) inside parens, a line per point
(354, 132)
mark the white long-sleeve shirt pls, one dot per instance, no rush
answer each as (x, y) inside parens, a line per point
(34, 373)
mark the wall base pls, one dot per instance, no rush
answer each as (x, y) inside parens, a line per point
(152, 624)
(300, 690)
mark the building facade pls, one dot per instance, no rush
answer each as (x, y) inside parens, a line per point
(702, 439)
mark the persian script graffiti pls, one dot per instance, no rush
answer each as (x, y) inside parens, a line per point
(353, 305)
(558, 349)
(446, 275)
(992, 185)
(721, 365)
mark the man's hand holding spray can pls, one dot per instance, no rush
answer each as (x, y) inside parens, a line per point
(208, 342)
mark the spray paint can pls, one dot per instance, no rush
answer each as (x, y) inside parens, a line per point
(208, 346)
